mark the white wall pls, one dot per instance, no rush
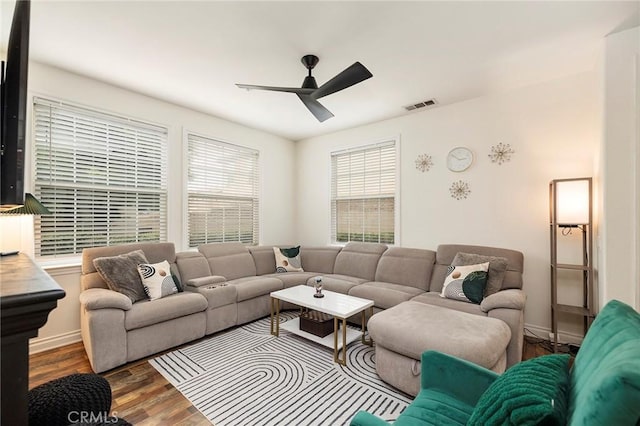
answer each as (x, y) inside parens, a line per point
(619, 168)
(63, 325)
(276, 153)
(554, 130)
(277, 157)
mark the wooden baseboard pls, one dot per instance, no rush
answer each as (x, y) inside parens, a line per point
(44, 344)
(544, 333)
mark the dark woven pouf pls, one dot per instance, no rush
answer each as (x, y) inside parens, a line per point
(70, 399)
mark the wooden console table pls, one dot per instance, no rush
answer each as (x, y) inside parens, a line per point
(27, 295)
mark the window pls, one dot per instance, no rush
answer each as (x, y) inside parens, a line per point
(222, 187)
(102, 176)
(363, 194)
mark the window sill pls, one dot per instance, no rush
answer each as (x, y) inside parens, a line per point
(58, 264)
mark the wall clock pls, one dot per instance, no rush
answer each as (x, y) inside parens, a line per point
(459, 159)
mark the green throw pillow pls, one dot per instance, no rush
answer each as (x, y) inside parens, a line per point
(534, 392)
(496, 272)
(465, 282)
(290, 252)
(473, 286)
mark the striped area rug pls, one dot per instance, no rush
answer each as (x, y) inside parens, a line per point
(246, 376)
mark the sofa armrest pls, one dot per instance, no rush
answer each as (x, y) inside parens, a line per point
(362, 418)
(455, 376)
(204, 281)
(507, 299)
(101, 298)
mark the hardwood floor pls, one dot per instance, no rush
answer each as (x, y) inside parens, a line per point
(534, 347)
(143, 396)
(140, 394)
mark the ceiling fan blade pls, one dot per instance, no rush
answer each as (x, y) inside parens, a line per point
(347, 78)
(296, 90)
(316, 108)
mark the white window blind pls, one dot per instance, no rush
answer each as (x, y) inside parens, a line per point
(363, 192)
(222, 185)
(102, 176)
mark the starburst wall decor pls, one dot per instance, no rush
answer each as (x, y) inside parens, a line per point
(424, 162)
(501, 153)
(460, 190)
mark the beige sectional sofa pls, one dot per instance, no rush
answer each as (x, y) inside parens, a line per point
(405, 329)
(116, 331)
(229, 284)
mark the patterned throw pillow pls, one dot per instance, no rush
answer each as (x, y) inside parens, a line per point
(496, 272)
(288, 259)
(157, 279)
(178, 283)
(466, 283)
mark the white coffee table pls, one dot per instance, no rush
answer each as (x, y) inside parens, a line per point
(340, 306)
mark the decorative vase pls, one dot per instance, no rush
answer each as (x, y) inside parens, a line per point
(318, 287)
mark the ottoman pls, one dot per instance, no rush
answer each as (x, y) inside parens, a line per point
(402, 333)
(75, 399)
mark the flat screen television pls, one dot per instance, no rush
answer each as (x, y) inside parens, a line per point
(14, 108)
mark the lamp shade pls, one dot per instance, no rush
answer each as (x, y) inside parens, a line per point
(31, 206)
(573, 201)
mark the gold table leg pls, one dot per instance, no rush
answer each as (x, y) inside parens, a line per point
(344, 341)
(335, 339)
(336, 352)
(365, 341)
(275, 328)
(271, 316)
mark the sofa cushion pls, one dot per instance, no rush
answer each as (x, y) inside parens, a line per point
(263, 258)
(177, 305)
(251, 287)
(433, 298)
(221, 295)
(287, 259)
(292, 279)
(359, 260)
(384, 295)
(335, 282)
(121, 273)
(102, 298)
(411, 328)
(157, 280)
(497, 268)
(466, 283)
(529, 393)
(231, 260)
(211, 280)
(192, 264)
(406, 266)
(319, 259)
(447, 252)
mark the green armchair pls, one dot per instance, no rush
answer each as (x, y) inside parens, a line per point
(449, 390)
(602, 388)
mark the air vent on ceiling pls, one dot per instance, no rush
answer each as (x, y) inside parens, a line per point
(428, 103)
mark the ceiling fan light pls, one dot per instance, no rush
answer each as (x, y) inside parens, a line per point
(309, 83)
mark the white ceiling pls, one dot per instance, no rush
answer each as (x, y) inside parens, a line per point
(193, 53)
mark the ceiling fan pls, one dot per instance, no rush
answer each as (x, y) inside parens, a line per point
(309, 93)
